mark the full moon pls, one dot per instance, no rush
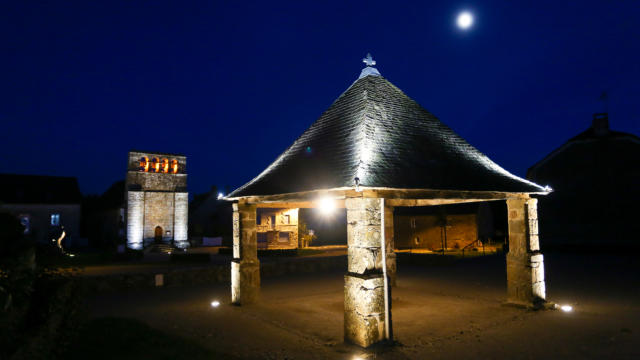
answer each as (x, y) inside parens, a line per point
(465, 20)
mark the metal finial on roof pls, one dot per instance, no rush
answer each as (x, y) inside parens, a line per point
(369, 60)
(369, 70)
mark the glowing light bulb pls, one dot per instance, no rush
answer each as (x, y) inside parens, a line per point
(326, 206)
(566, 308)
(215, 303)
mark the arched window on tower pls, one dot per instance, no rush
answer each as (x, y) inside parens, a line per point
(165, 166)
(174, 166)
(144, 164)
(156, 164)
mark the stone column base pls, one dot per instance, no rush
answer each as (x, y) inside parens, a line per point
(245, 281)
(364, 318)
(525, 280)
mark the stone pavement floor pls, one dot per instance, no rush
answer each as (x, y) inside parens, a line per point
(450, 311)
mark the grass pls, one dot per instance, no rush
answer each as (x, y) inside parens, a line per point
(122, 338)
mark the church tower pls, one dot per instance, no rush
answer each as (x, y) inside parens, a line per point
(157, 200)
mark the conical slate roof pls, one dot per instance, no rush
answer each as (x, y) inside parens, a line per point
(376, 133)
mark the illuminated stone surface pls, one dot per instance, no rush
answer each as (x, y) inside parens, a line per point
(390, 244)
(156, 201)
(245, 267)
(363, 309)
(525, 263)
(364, 317)
(286, 222)
(135, 216)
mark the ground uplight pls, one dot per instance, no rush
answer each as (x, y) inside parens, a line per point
(566, 308)
(215, 303)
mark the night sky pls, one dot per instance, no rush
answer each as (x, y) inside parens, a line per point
(232, 84)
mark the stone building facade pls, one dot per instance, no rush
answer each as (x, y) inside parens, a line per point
(157, 201)
(595, 177)
(277, 228)
(433, 232)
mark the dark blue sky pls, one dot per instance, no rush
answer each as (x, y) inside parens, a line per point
(232, 84)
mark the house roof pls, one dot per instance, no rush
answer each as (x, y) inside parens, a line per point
(376, 133)
(39, 189)
(599, 131)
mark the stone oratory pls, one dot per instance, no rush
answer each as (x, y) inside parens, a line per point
(375, 149)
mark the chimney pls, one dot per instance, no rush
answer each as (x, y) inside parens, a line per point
(600, 124)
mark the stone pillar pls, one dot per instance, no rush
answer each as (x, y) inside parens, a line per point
(180, 219)
(245, 267)
(390, 244)
(525, 265)
(364, 292)
(135, 219)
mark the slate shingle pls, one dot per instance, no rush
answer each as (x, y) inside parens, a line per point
(375, 132)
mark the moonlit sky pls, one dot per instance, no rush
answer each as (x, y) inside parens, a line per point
(232, 84)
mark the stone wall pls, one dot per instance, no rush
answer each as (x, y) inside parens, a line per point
(156, 181)
(158, 211)
(272, 230)
(134, 159)
(156, 199)
(462, 229)
(181, 216)
(208, 274)
(135, 219)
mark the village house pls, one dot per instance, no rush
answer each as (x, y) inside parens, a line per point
(47, 206)
(595, 177)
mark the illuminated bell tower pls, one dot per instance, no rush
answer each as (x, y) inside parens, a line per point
(157, 200)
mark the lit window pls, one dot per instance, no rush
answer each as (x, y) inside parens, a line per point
(144, 164)
(55, 219)
(174, 166)
(165, 166)
(156, 165)
(286, 219)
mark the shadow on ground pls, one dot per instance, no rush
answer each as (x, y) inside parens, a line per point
(442, 310)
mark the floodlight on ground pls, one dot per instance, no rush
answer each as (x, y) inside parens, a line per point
(220, 196)
(215, 303)
(326, 206)
(566, 308)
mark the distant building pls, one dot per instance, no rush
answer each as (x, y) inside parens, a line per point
(277, 228)
(444, 227)
(47, 206)
(595, 178)
(157, 201)
(103, 217)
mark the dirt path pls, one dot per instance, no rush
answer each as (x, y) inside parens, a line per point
(441, 312)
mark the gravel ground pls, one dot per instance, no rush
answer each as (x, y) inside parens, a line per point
(448, 311)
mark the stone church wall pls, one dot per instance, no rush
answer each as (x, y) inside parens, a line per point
(158, 211)
(181, 217)
(156, 197)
